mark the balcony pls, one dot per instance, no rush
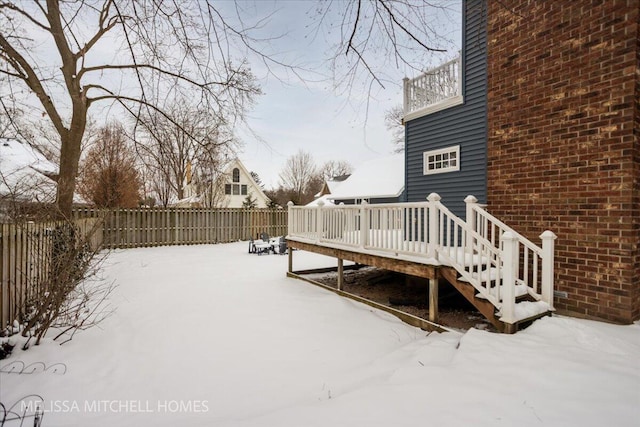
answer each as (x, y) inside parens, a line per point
(434, 90)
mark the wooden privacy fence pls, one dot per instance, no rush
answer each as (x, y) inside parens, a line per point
(25, 261)
(143, 227)
(26, 249)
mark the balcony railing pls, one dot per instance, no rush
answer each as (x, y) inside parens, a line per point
(434, 90)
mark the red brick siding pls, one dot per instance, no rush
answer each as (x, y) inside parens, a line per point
(636, 185)
(563, 142)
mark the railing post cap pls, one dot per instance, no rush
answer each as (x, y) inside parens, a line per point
(434, 197)
(289, 203)
(320, 203)
(470, 199)
(364, 202)
(548, 235)
(508, 236)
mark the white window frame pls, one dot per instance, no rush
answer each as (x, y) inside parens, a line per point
(441, 157)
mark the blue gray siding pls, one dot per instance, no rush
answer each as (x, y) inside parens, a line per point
(464, 125)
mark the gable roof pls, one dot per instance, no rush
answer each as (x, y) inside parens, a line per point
(330, 186)
(237, 163)
(378, 178)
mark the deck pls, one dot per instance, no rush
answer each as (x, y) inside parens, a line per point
(507, 277)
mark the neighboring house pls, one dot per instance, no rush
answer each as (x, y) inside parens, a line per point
(232, 189)
(331, 185)
(26, 176)
(539, 120)
(239, 185)
(324, 195)
(376, 181)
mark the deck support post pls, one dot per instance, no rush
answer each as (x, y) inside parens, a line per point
(548, 238)
(509, 271)
(471, 203)
(433, 300)
(340, 274)
(432, 240)
(290, 255)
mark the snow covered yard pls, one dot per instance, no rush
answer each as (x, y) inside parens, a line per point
(213, 336)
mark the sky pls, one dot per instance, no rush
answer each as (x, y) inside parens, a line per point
(312, 115)
(305, 109)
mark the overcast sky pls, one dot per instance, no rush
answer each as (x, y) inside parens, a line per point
(311, 115)
(298, 112)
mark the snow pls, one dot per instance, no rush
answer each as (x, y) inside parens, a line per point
(325, 200)
(211, 335)
(383, 177)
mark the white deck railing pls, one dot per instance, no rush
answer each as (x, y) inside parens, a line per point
(433, 87)
(497, 261)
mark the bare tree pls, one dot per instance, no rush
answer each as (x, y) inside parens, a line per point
(191, 140)
(109, 176)
(51, 51)
(394, 120)
(298, 172)
(335, 168)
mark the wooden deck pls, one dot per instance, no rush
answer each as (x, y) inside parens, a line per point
(434, 273)
(505, 275)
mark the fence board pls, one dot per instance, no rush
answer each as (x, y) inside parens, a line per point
(25, 250)
(144, 227)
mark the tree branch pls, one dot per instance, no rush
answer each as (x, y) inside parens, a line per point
(12, 6)
(31, 79)
(405, 30)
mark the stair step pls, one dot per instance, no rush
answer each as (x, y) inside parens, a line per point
(528, 309)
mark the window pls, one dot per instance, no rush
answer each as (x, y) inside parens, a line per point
(442, 160)
(227, 189)
(236, 189)
(236, 175)
(243, 190)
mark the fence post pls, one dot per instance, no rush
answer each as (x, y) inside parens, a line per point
(471, 220)
(548, 244)
(289, 218)
(432, 241)
(509, 253)
(319, 221)
(364, 224)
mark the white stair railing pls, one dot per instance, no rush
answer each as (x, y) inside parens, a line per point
(532, 265)
(497, 261)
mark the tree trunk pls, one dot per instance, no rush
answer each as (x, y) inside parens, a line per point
(69, 159)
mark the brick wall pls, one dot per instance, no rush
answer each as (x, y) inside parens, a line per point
(563, 142)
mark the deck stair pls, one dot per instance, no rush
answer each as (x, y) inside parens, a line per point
(502, 273)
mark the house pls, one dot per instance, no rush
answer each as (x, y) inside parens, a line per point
(538, 120)
(331, 185)
(324, 195)
(235, 188)
(541, 125)
(379, 180)
(240, 186)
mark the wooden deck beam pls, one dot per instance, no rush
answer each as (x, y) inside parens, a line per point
(385, 262)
